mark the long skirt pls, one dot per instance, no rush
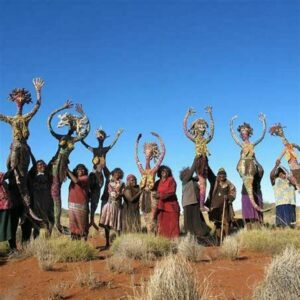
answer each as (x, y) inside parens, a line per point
(168, 224)
(78, 218)
(5, 225)
(194, 222)
(111, 215)
(285, 214)
(248, 211)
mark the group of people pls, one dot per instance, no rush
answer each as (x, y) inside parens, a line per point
(33, 197)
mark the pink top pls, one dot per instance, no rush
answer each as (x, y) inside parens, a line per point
(78, 192)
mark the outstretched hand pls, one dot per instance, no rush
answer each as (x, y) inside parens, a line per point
(155, 134)
(191, 111)
(78, 108)
(208, 109)
(234, 117)
(38, 83)
(120, 131)
(68, 104)
(139, 137)
(261, 116)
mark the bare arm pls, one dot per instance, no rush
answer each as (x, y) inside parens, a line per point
(232, 192)
(119, 132)
(86, 145)
(38, 84)
(84, 119)
(163, 151)
(137, 160)
(233, 134)
(211, 124)
(129, 197)
(273, 172)
(185, 119)
(68, 104)
(262, 118)
(72, 176)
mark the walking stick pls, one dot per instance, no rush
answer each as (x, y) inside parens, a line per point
(222, 224)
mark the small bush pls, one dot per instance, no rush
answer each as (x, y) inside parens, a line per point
(62, 249)
(4, 249)
(266, 240)
(173, 278)
(88, 279)
(282, 279)
(57, 291)
(120, 264)
(141, 246)
(230, 248)
(189, 248)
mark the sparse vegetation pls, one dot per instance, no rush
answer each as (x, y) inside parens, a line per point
(189, 248)
(141, 246)
(230, 248)
(282, 279)
(57, 291)
(88, 279)
(120, 264)
(266, 240)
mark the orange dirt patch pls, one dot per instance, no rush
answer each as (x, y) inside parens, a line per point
(23, 279)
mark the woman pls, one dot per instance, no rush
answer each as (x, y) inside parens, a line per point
(78, 202)
(289, 153)
(131, 219)
(196, 133)
(148, 200)
(250, 170)
(111, 212)
(168, 210)
(59, 163)
(194, 222)
(284, 192)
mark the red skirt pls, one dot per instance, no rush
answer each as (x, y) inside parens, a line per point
(168, 223)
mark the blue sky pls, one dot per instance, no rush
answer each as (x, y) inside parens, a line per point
(140, 66)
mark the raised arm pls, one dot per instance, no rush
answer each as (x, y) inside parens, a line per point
(189, 174)
(38, 84)
(72, 176)
(119, 132)
(233, 134)
(273, 172)
(6, 119)
(86, 145)
(85, 123)
(208, 109)
(137, 160)
(296, 146)
(162, 154)
(185, 119)
(68, 104)
(262, 118)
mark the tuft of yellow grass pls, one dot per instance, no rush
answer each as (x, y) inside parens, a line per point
(282, 280)
(189, 248)
(267, 240)
(230, 248)
(120, 264)
(88, 279)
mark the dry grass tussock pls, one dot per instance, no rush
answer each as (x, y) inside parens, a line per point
(57, 291)
(189, 248)
(88, 279)
(120, 264)
(282, 279)
(173, 278)
(141, 246)
(230, 248)
(266, 240)
(61, 249)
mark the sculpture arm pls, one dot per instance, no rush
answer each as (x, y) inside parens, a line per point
(262, 118)
(296, 146)
(86, 145)
(185, 119)
(56, 135)
(233, 134)
(119, 132)
(137, 160)
(163, 151)
(5, 119)
(211, 124)
(82, 135)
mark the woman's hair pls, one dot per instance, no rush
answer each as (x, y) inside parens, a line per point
(163, 167)
(246, 126)
(119, 170)
(80, 166)
(183, 172)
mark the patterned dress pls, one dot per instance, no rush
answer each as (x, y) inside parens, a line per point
(78, 206)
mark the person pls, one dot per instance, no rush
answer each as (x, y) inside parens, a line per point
(99, 168)
(222, 194)
(289, 153)
(168, 211)
(111, 212)
(131, 219)
(59, 163)
(196, 134)
(78, 202)
(39, 184)
(148, 200)
(248, 167)
(284, 192)
(5, 212)
(194, 222)
(19, 157)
